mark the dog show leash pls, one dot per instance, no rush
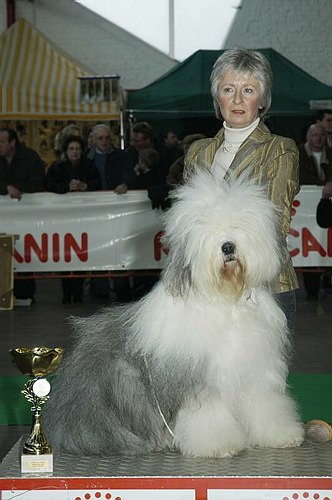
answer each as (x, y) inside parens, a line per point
(157, 402)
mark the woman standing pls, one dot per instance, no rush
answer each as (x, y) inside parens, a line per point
(241, 83)
(74, 173)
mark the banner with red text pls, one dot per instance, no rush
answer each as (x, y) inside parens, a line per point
(104, 231)
(309, 244)
(83, 231)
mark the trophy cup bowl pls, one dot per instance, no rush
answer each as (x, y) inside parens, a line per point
(37, 362)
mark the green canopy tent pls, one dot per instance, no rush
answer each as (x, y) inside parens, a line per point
(183, 94)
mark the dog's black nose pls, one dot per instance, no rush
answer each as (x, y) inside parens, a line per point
(228, 248)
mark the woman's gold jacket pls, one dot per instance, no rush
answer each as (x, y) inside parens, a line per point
(272, 161)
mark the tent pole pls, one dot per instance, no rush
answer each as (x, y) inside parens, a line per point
(122, 134)
(171, 27)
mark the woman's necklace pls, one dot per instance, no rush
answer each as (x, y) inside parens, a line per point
(228, 148)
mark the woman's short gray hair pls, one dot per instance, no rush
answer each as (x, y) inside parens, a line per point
(243, 60)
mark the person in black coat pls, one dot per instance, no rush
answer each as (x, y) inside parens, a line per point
(21, 171)
(21, 168)
(324, 208)
(75, 173)
(118, 176)
(146, 170)
(115, 174)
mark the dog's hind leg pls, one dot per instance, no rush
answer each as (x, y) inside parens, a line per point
(109, 413)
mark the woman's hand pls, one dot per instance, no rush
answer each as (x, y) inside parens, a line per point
(121, 189)
(77, 185)
(14, 192)
(327, 190)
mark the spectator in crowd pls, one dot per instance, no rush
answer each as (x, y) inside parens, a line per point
(74, 173)
(315, 158)
(324, 208)
(89, 141)
(324, 118)
(241, 84)
(141, 138)
(170, 149)
(175, 173)
(146, 171)
(114, 173)
(21, 168)
(21, 171)
(143, 161)
(147, 175)
(170, 138)
(59, 140)
(159, 194)
(315, 169)
(118, 176)
(324, 220)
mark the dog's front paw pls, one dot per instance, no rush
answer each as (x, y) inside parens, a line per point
(208, 452)
(290, 442)
(208, 430)
(292, 437)
(221, 443)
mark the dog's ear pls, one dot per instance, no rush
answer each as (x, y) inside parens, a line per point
(177, 276)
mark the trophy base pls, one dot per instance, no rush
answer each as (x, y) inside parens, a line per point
(37, 464)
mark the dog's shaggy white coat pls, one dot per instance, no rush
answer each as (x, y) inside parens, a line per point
(204, 351)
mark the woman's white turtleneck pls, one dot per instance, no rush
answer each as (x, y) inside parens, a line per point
(233, 139)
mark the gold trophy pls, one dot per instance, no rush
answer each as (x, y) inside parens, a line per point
(38, 362)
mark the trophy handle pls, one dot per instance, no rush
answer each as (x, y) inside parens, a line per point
(36, 443)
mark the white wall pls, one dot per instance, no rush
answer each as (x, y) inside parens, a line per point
(98, 45)
(300, 30)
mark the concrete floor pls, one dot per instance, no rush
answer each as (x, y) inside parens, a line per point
(46, 323)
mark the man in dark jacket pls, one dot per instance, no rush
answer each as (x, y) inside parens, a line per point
(21, 171)
(141, 138)
(115, 175)
(109, 161)
(315, 159)
(21, 168)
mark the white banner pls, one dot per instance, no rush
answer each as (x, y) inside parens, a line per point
(90, 231)
(104, 231)
(268, 494)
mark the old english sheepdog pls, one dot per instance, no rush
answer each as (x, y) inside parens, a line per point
(200, 363)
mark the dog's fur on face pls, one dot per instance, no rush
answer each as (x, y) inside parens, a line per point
(204, 351)
(201, 223)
